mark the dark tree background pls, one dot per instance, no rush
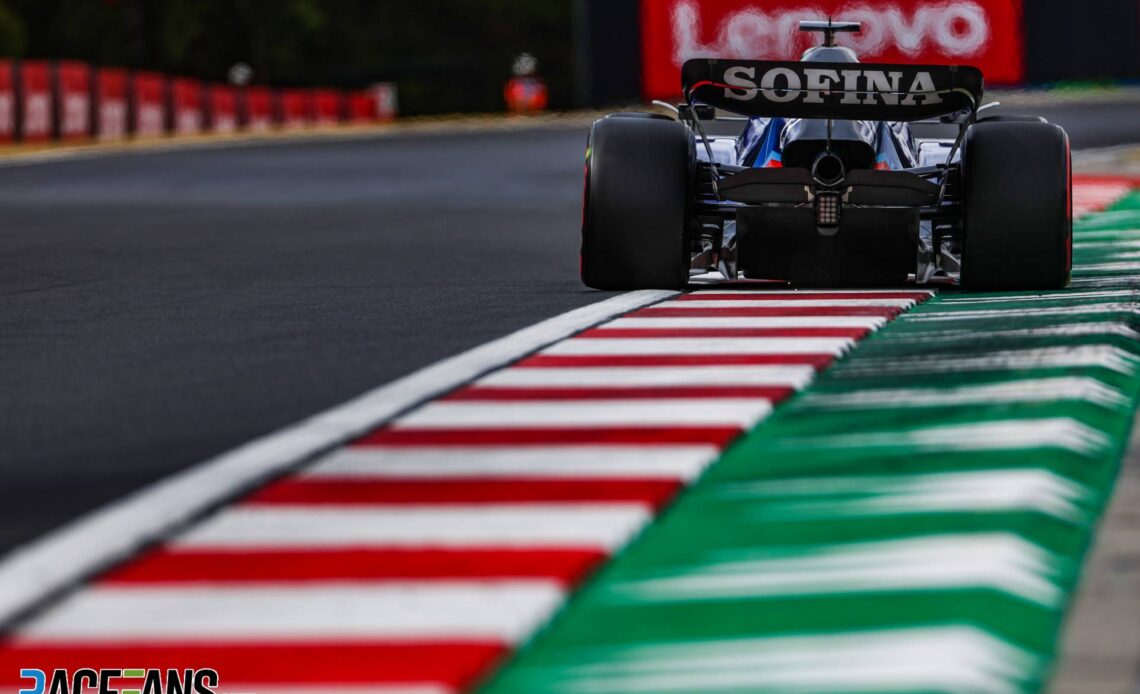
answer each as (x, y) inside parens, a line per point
(445, 55)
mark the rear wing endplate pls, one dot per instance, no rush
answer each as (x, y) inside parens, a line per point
(846, 91)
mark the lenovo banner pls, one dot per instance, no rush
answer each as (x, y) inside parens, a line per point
(982, 33)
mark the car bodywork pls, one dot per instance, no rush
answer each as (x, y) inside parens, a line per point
(826, 145)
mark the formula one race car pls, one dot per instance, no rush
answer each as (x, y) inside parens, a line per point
(828, 184)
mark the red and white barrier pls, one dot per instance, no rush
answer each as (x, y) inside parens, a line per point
(222, 108)
(112, 112)
(296, 108)
(361, 108)
(186, 106)
(73, 100)
(328, 105)
(259, 112)
(36, 106)
(70, 101)
(7, 101)
(148, 107)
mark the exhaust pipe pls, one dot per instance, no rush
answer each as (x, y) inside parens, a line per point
(827, 170)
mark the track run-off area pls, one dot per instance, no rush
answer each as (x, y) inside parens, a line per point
(714, 491)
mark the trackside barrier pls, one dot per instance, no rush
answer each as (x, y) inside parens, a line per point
(296, 108)
(259, 112)
(73, 101)
(35, 100)
(7, 101)
(327, 107)
(186, 106)
(148, 104)
(222, 108)
(111, 112)
(361, 108)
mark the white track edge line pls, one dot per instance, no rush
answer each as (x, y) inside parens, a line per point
(39, 569)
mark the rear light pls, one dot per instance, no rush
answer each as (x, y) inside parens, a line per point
(828, 206)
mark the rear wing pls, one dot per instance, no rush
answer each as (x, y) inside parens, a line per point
(846, 91)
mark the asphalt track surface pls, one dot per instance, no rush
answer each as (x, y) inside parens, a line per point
(161, 308)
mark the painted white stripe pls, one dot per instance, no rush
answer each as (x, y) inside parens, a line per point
(741, 412)
(717, 345)
(642, 462)
(32, 572)
(786, 303)
(1089, 245)
(1103, 356)
(794, 375)
(1091, 328)
(1106, 267)
(1057, 432)
(605, 526)
(749, 322)
(1029, 390)
(503, 611)
(1072, 310)
(999, 561)
(943, 659)
(976, 491)
(1066, 295)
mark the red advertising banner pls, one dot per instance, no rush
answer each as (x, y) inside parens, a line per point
(36, 97)
(148, 104)
(258, 114)
(73, 99)
(7, 102)
(983, 33)
(361, 107)
(111, 104)
(186, 106)
(222, 108)
(328, 104)
(296, 108)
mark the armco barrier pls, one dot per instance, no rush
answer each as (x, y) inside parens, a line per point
(186, 106)
(35, 100)
(222, 108)
(7, 102)
(111, 104)
(73, 100)
(148, 104)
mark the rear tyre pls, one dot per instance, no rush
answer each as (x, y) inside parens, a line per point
(640, 174)
(1017, 223)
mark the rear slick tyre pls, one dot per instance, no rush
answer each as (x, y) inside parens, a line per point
(640, 174)
(1017, 222)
